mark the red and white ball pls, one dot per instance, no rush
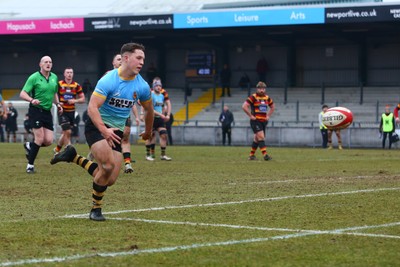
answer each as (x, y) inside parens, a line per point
(337, 118)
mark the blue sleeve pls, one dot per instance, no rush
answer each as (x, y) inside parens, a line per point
(101, 87)
(145, 93)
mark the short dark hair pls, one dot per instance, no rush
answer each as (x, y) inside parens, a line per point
(324, 106)
(131, 47)
(116, 56)
(261, 85)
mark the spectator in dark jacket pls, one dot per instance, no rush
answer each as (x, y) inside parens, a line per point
(226, 119)
(225, 77)
(11, 123)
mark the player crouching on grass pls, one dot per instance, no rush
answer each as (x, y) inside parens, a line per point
(256, 107)
(109, 107)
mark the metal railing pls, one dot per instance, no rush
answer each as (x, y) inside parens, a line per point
(272, 123)
(292, 112)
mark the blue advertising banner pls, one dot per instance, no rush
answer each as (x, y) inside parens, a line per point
(290, 16)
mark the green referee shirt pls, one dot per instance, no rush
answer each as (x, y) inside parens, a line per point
(38, 87)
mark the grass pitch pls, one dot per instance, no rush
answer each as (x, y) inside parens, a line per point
(207, 207)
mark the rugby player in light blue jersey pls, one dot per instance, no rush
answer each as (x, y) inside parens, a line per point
(160, 100)
(109, 107)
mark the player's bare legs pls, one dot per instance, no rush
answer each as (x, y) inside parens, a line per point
(43, 137)
(109, 163)
(339, 138)
(260, 136)
(150, 148)
(126, 149)
(163, 143)
(104, 172)
(65, 140)
(259, 141)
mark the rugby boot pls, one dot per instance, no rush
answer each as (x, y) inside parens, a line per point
(267, 157)
(128, 168)
(67, 155)
(96, 215)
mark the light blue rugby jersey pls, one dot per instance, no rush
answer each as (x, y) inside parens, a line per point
(120, 96)
(158, 101)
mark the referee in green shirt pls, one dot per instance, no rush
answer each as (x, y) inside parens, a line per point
(40, 90)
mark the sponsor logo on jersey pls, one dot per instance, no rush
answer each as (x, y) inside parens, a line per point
(121, 103)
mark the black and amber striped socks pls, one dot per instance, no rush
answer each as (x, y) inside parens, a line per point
(97, 195)
(88, 165)
(254, 147)
(127, 157)
(263, 147)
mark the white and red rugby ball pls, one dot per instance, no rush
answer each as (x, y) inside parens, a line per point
(337, 118)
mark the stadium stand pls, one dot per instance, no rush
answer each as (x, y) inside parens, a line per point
(304, 104)
(197, 106)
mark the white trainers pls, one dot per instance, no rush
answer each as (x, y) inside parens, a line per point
(165, 157)
(30, 169)
(149, 158)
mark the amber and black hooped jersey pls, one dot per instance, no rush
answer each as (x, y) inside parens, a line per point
(259, 106)
(68, 91)
(165, 94)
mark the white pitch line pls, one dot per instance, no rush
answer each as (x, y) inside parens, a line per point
(368, 227)
(215, 225)
(150, 251)
(371, 235)
(337, 231)
(196, 246)
(270, 182)
(299, 180)
(241, 201)
(360, 177)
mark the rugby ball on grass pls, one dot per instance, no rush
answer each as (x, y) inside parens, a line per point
(337, 118)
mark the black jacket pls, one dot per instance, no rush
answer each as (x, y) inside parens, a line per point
(226, 118)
